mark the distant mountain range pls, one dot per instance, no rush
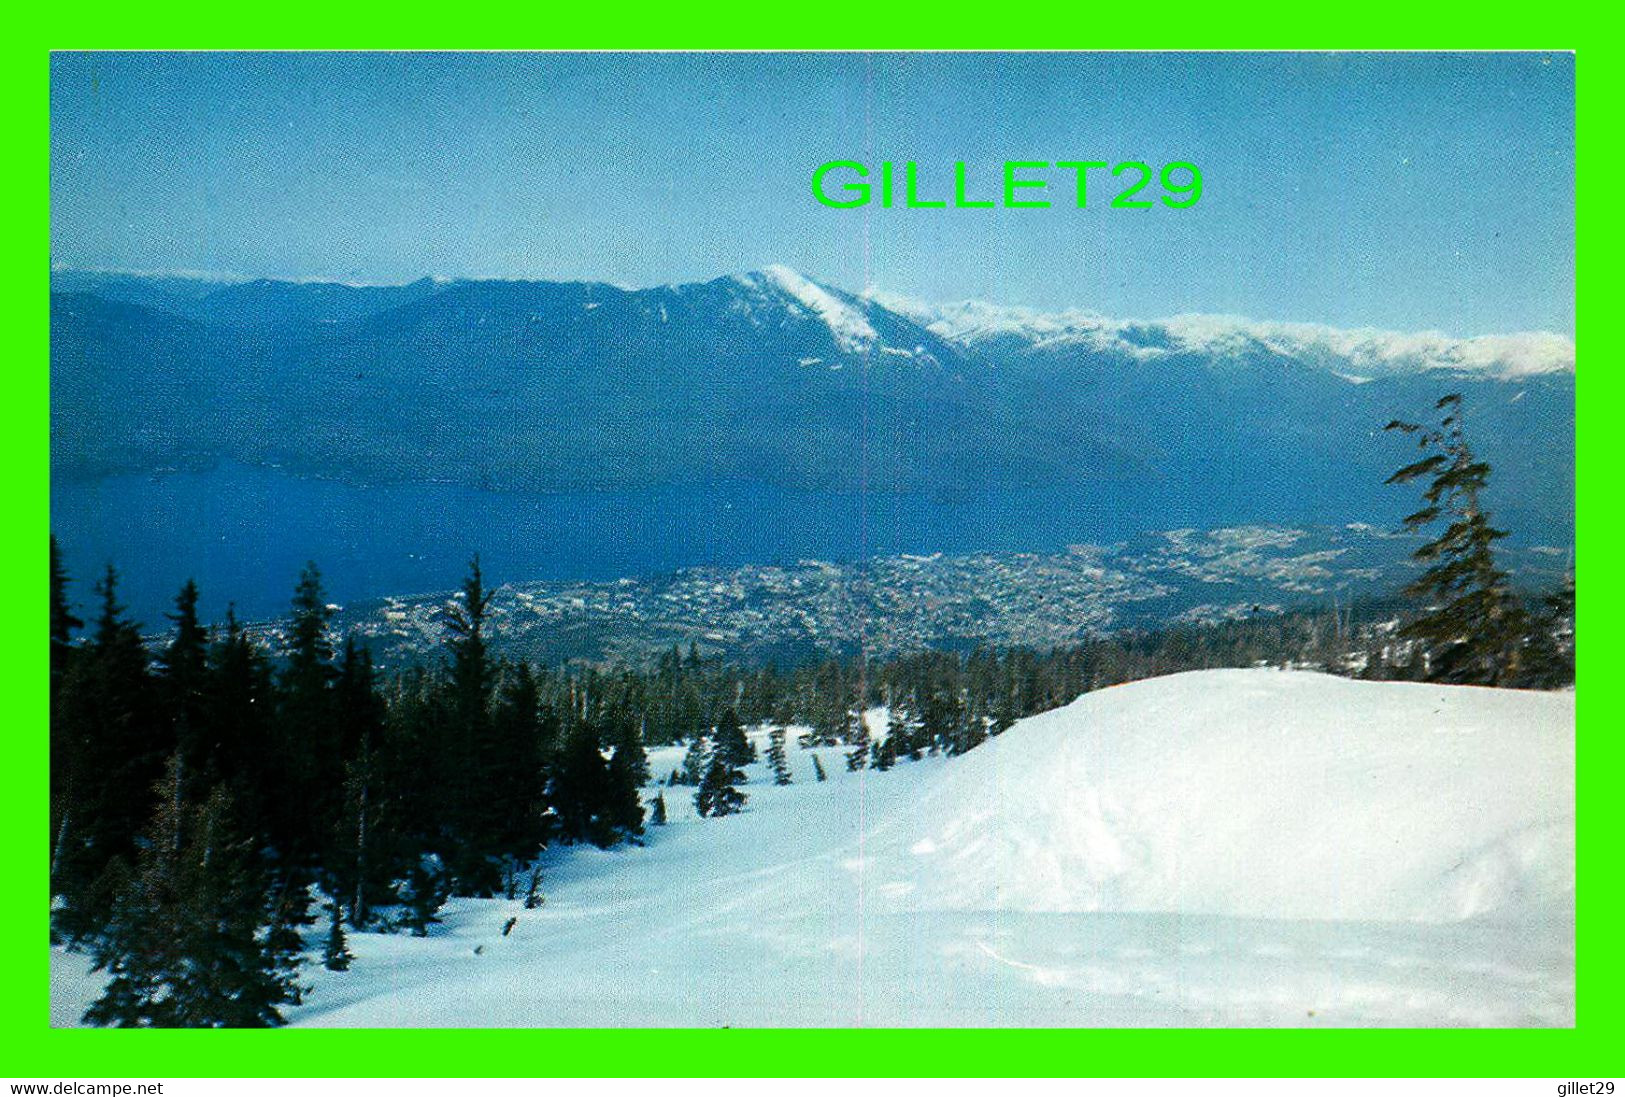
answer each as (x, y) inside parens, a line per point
(778, 381)
(1371, 352)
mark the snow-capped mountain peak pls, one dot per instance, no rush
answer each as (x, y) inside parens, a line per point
(849, 326)
(1353, 353)
(971, 322)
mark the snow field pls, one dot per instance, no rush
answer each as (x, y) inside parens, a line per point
(1215, 848)
(1255, 793)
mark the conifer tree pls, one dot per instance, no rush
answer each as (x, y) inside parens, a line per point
(409, 783)
(336, 952)
(63, 622)
(1559, 620)
(424, 892)
(858, 740)
(64, 746)
(304, 797)
(299, 781)
(776, 757)
(884, 754)
(183, 688)
(1551, 655)
(523, 737)
(731, 741)
(1472, 628)
(690, 712)
(718, 794)
(904, 732)
(478, 818)
(657, 811)
(238, 711)
(356, 868)
(183, 947)
(943, 722)
(969, 733)
(588, 798)
(696, 760)
(628, 770)
(818, 770)
(115, 742)
(289, 917)
(627, 740)
(1002, 713)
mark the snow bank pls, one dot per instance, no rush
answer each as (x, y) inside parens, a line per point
(1256, 793)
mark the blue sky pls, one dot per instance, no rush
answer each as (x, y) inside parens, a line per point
(1395, 191)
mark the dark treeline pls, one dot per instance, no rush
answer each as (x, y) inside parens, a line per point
(206, 793)
(201, 796)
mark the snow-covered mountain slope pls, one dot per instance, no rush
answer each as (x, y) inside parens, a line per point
(1217, 848)
(850, 328)
(1259, 794)
(1355, 354)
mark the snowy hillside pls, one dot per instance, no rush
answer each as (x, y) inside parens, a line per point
(1262, 795)
(1214, 848)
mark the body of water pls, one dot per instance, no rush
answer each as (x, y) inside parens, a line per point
(243, 532)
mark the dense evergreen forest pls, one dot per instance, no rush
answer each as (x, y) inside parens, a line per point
(211, 799)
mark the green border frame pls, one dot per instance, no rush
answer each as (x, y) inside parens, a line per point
(35, 1050)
